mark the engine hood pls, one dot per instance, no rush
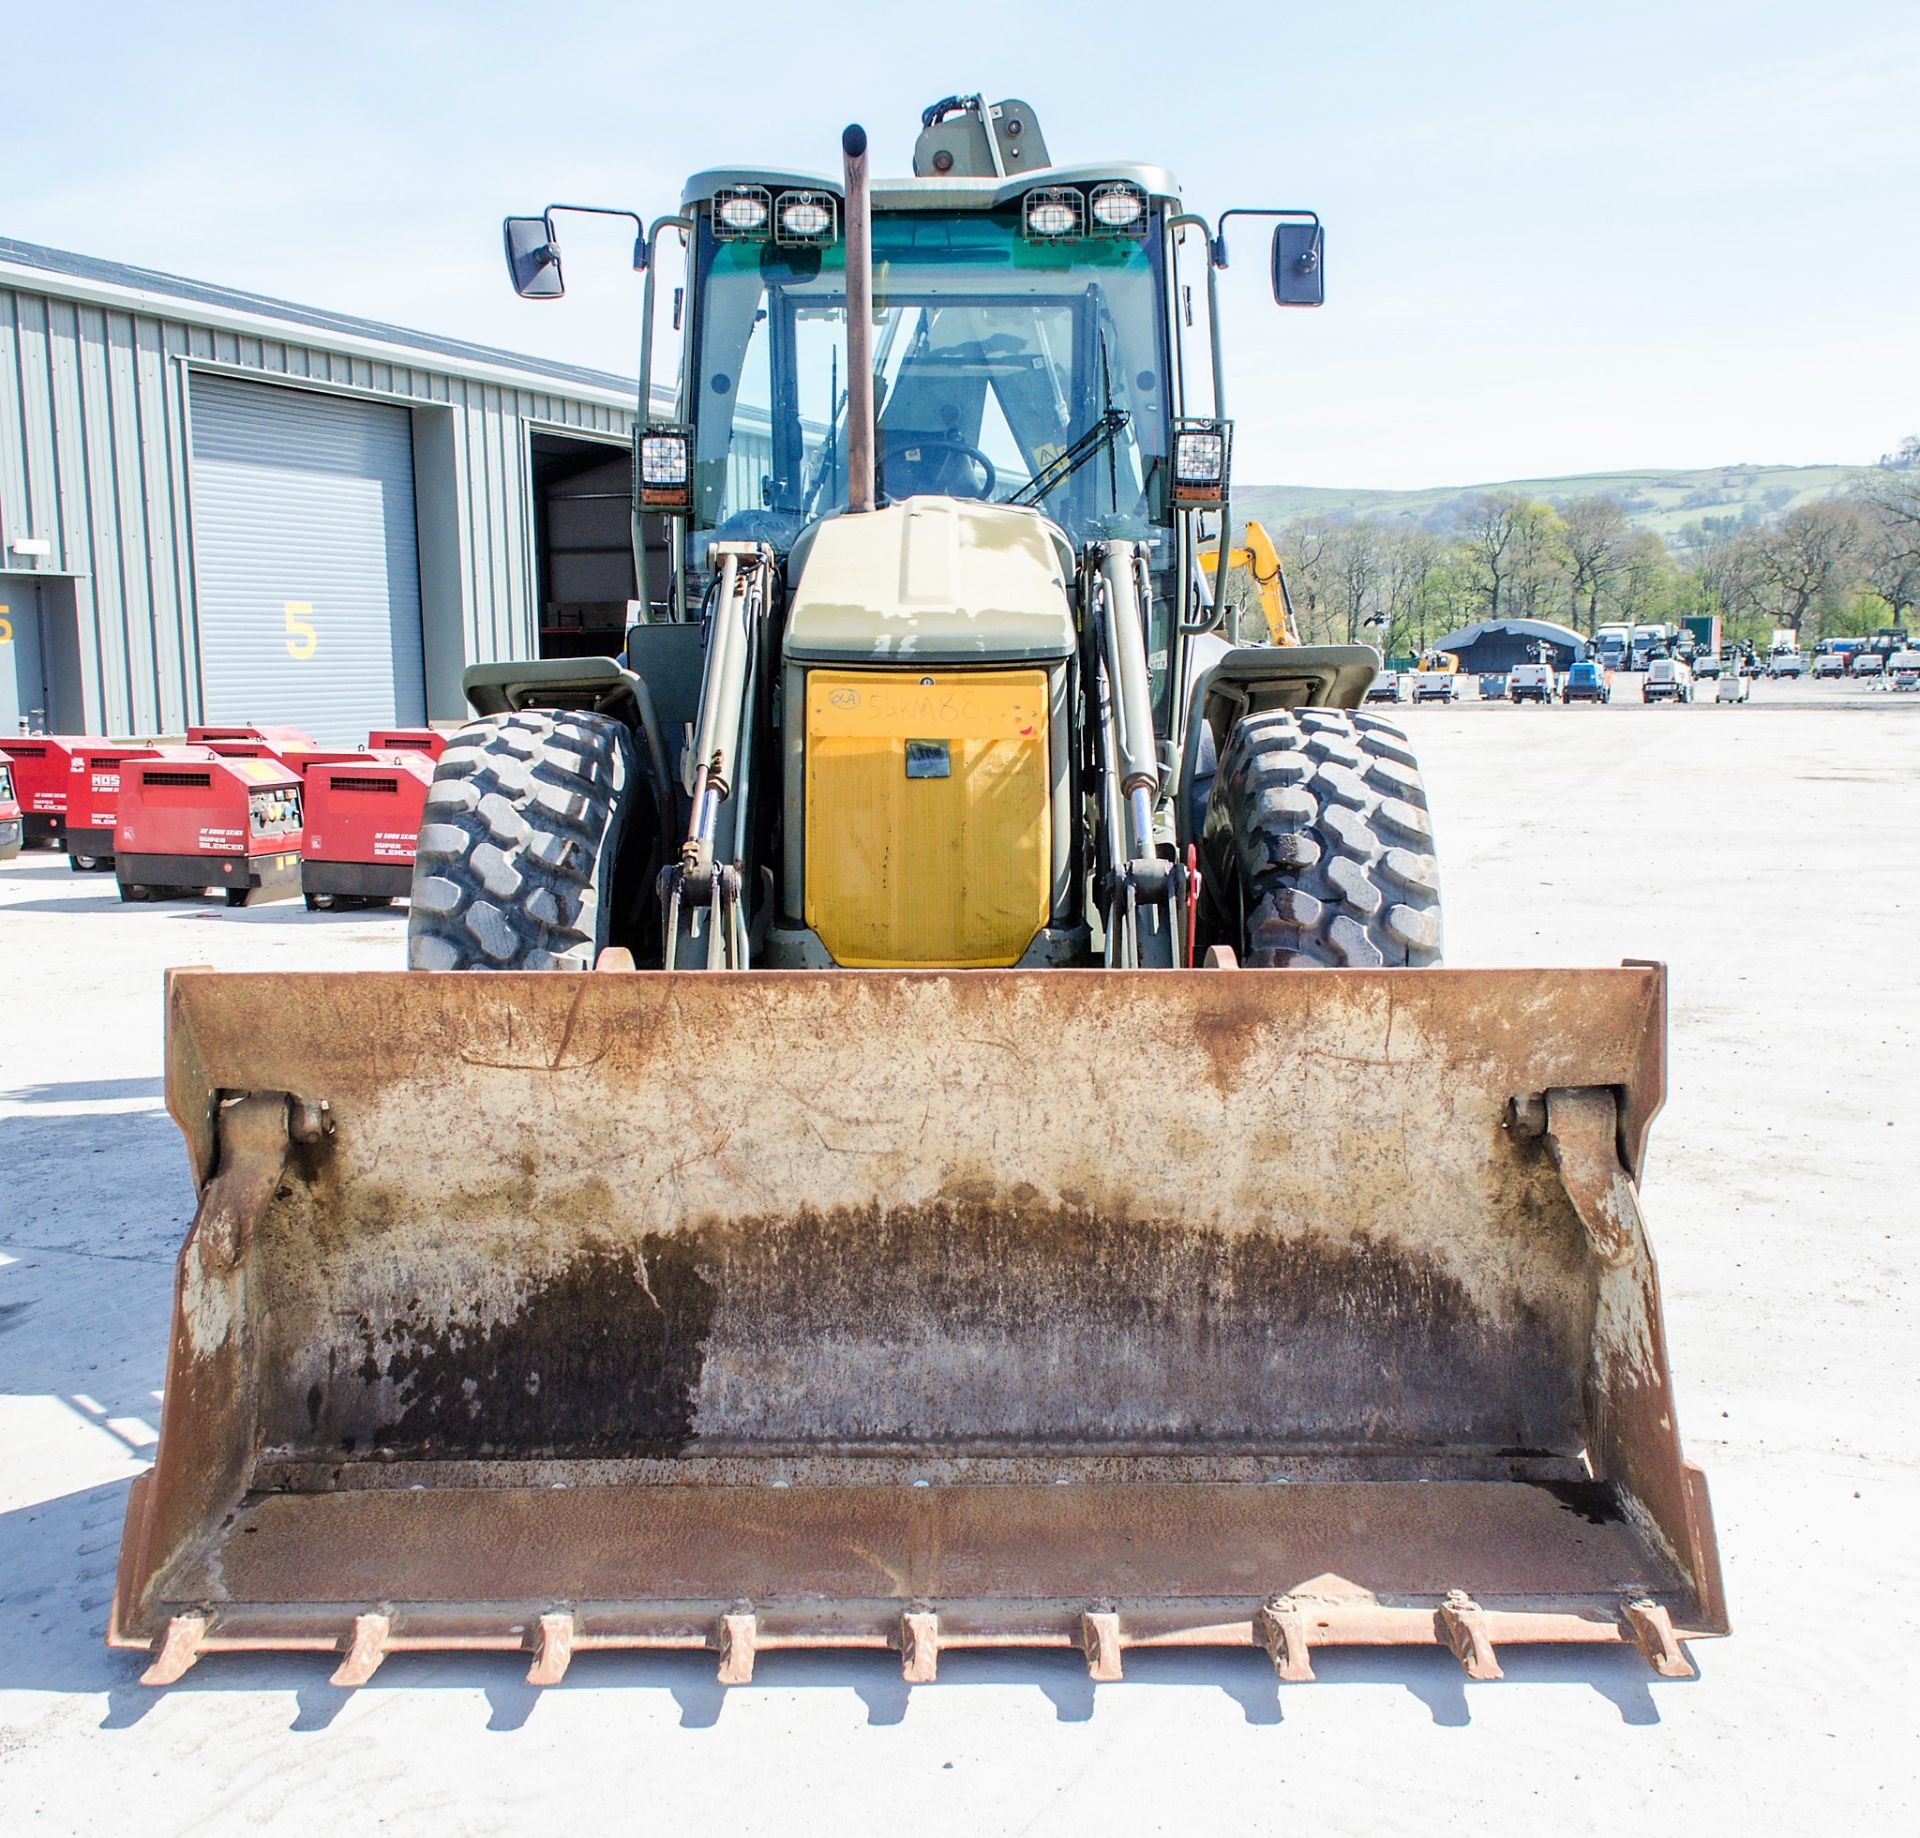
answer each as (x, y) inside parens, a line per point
(934, 580)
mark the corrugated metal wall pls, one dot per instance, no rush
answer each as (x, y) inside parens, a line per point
(94, 459)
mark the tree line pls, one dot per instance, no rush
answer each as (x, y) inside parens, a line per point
(1836, 567)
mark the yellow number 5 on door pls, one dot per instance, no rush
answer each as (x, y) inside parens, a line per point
(302, 639)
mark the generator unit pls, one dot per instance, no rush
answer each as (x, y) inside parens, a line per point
(93, 800)
(362, 822)
(190, 819)
(428, 741)
(9, 813)
(296, 756)
(40, 769)
(275, 737)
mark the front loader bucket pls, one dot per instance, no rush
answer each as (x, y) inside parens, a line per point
(916, 1311)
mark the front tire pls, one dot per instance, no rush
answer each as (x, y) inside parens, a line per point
(518, 844)
(1318, 817)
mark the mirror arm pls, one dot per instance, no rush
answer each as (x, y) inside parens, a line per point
(1193, 218)
(652, 244)
(607, 210)
(1292, 216)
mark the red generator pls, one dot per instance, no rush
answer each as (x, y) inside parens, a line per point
(429, 741)
(93, 800)
(9, 813)
(40, 773)
(298, 759)
(190, 820)
(363, 819)
(274, 737)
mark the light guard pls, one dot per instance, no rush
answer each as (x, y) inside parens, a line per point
(1202, 454)
(743, 213)
(1117, 208)
(1053, 211)
(663, 469)
(806, 218)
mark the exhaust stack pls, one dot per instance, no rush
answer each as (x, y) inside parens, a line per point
(860, 458)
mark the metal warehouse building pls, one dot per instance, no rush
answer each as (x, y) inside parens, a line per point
(219, 507)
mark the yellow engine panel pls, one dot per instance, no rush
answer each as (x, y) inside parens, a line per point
(929, 815)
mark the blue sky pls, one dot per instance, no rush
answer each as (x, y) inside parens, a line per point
(1560, 239)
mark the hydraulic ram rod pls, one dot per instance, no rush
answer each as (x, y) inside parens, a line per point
(1126, 639)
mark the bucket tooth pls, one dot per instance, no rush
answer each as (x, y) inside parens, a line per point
(553, 1650)
(1100, 1641)
(179, 1647)
(1283, 1632)
(255, 1142)
(1582, 1136)
(919, 1647)
(1463, 1622)
(1650, 1628)
(365, 1651)
(735, 1637)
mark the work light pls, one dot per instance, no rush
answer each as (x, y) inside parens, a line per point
(663, 470)
(742, 213)
(807, 217)
(1200, 452)
(1119, 209)
(1055, 210)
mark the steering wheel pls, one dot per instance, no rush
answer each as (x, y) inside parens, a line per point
(929, 461)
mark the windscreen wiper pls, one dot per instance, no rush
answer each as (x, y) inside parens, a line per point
(1064, 465)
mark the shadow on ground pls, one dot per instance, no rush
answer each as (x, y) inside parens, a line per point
(78, 904)
(275, 912)
(85, 1091)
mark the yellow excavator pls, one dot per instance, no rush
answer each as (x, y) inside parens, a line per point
(925, 1112)
(1255, 578)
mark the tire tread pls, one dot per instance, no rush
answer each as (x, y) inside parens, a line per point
(515, 860)
(1320, 817)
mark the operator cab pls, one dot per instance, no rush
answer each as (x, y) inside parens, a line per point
(1021, 350)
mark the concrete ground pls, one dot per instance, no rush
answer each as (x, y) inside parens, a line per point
(1771, 855)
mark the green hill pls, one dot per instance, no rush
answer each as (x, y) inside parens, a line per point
(1661, 501)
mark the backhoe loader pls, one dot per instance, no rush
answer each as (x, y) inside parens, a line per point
(924, 1113)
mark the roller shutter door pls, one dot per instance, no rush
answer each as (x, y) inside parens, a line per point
(306, 560)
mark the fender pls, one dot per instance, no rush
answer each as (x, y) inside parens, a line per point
(1232, 681)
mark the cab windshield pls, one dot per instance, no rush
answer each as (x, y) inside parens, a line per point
(1007, 368)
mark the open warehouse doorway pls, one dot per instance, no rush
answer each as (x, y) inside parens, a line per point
(583, 545)
(39, 657)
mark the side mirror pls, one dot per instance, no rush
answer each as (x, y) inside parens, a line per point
(1299, 264)
(533, 259)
